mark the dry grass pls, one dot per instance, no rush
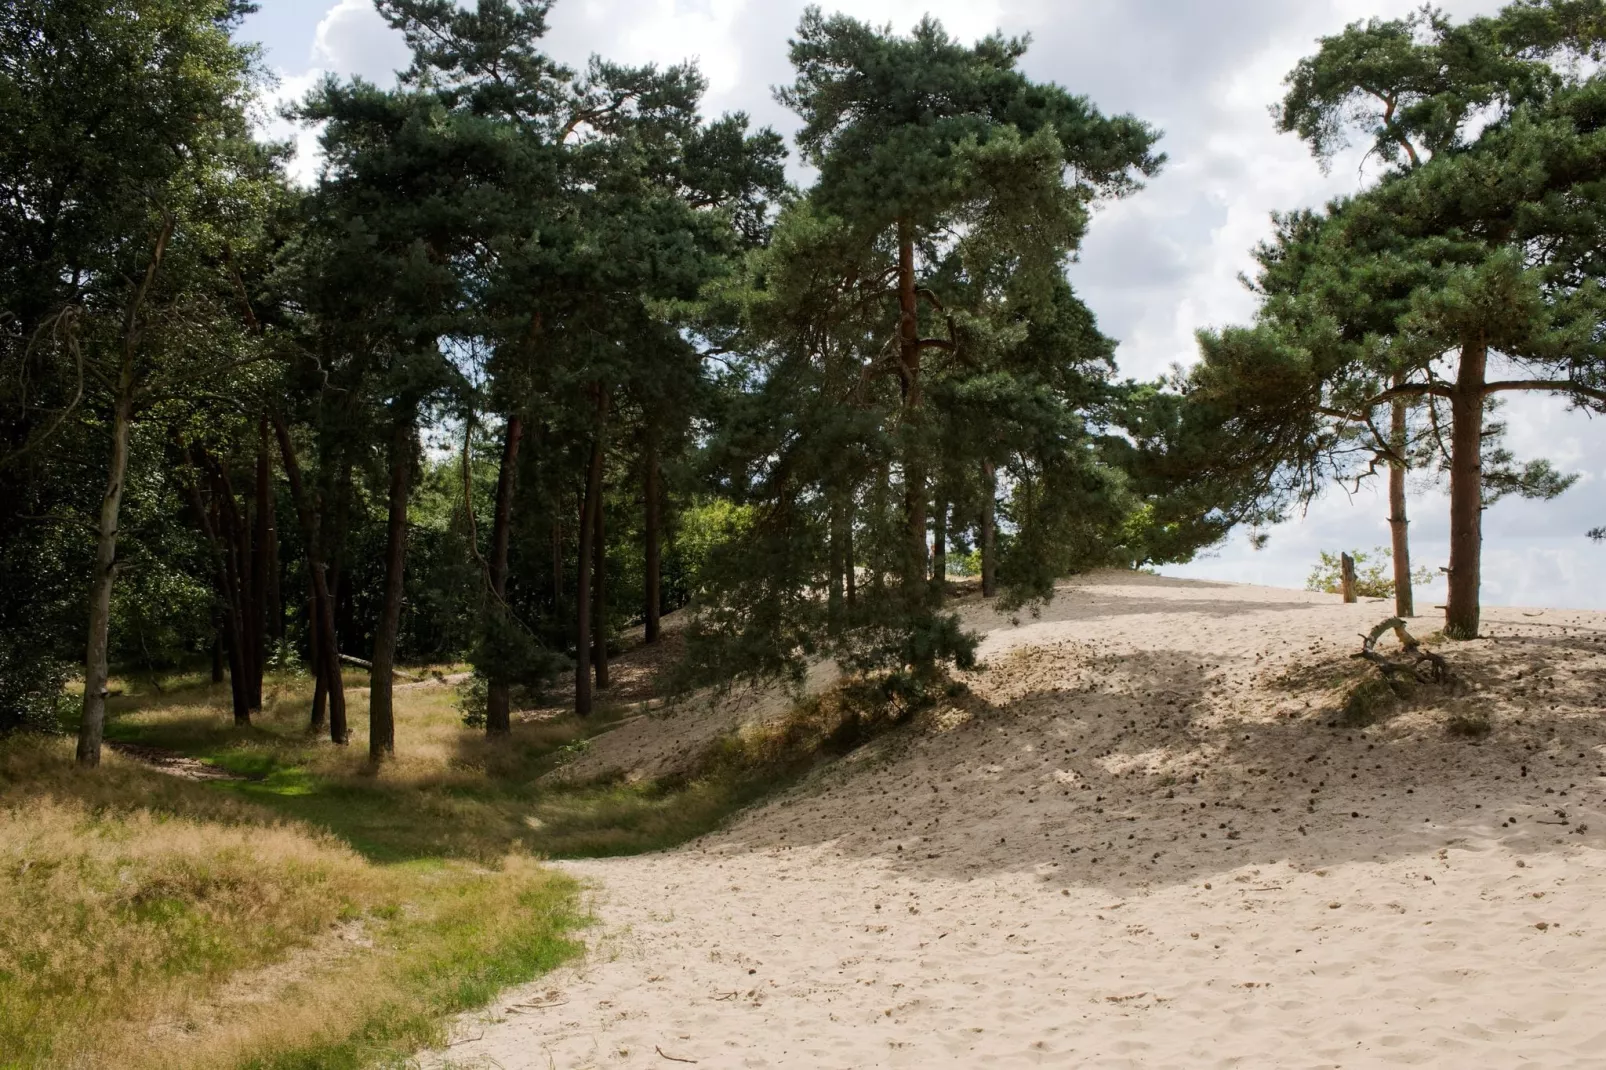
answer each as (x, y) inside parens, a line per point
(450, 793)
(146, 920)
(320, 912)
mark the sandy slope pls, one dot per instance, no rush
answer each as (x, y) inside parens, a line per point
(1142, 842)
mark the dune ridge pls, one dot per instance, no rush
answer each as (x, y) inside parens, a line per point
(1147, 837)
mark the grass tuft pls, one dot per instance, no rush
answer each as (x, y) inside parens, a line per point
(1469, 724)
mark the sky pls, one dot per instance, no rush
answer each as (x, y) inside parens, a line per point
(1156, 267)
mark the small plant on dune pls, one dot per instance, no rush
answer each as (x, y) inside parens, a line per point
(1469, 724)
(1367, 703)
(472, 699)
(1374, 575)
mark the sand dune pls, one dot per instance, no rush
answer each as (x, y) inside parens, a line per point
(1144, 840)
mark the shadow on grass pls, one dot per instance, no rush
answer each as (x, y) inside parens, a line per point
(453, 794)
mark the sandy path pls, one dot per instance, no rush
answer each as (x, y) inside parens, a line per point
(1146, 843)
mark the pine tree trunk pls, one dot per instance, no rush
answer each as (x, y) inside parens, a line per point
(97, 670)
(226, 618)
(323, 607)
(557, 565)
(217, 646)
(1466, 492)
(261, 564)
(915, 586)
(582, 597)
(599, 592)
(318, 720)
(273, 605)
(654, 555)
(989, 529)
(498, 700)
(241, 560)
(1399, 526)
(226, 534)
(939, 553)
(839, 557)
(339, 537)
(381, 708)
(850, 563)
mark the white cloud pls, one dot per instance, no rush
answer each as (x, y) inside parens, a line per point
(353, 41)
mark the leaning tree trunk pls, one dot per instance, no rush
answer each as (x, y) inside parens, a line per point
(599, 593)
(653, 549)
(1399, 526)
(328, 648)
(381, 710)
(498, 698)
(97, 670)
(1466, 491)
(989, 529)
(582, 596)
(915, 586)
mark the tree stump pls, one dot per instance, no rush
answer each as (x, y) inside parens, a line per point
(1348, 564)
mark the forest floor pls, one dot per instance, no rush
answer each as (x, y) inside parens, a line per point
(1170, 824)
(223, 896)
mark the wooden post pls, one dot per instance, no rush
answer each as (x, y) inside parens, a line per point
(1348, 563)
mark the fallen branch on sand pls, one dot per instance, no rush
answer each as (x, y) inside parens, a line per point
(671, 1058)
(394, 671)
(1424, 666)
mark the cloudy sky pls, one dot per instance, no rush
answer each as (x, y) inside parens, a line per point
(1156, 267)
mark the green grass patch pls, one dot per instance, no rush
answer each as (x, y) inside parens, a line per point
(151, 921)
(451, 794)
(358, 906)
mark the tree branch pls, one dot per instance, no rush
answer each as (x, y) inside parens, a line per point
(1558, 386)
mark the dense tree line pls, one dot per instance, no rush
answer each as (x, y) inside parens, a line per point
(544, 353)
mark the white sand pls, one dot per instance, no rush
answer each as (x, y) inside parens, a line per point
(1142, 843)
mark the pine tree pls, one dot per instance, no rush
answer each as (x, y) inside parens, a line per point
(1480, 242)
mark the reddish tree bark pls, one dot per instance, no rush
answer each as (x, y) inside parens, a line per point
(1466, 491)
